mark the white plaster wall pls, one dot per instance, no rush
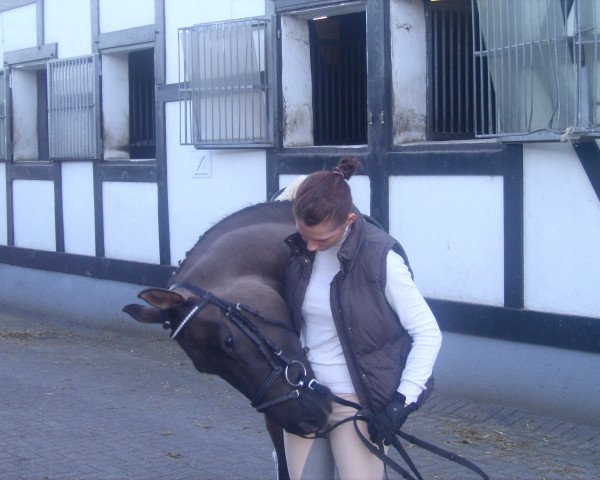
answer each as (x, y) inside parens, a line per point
(25, 33)
(452, 230)
(297, 83)
(33, 206)
(115, 106)
(131, 221)
(409, 70)
(24, 105)
(236, 180)
(120, 15)
(360, 186)
(185, 13)
(78, 207)
(3, 206)
(562, 232)
(67, 23)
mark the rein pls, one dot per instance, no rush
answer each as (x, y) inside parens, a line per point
(364, 415)
(235, 313)
(279, 362)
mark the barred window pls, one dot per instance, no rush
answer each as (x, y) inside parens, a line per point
(223, 84)
(142, 138)
(451, 71)
(73, 128)
(542, 60)
(339, 79)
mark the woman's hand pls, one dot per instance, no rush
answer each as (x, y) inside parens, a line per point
(383, 425)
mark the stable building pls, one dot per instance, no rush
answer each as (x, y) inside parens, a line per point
(129, 128)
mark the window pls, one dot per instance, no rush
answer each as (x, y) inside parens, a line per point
(128, 105)
(224, 88)
(142, 142)
(324, 76)
(29, 112)
(542, 60)
(339, 79)
(73, 108)
(455, 96)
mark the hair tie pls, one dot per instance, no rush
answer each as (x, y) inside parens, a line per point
(338, 171)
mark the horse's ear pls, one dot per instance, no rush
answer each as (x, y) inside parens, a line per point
(161, 298)
(143, 314)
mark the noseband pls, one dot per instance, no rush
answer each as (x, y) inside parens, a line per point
(279, 362)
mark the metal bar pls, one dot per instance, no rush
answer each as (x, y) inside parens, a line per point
(451, 73)
(435, 70)
(444, 76)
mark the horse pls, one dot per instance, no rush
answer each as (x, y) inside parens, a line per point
(224, 307)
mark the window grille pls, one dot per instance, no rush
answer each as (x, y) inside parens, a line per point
(223, 84)
(142, 142)
(451, 71)
(4, 115)
(72, 108)
(543, 64)
(339, 78)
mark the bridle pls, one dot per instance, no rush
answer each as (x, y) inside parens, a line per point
(280, 365)
(278, 360)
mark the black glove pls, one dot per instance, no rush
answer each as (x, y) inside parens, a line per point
(383, 425)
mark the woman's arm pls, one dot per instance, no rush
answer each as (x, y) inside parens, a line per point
(417, 319)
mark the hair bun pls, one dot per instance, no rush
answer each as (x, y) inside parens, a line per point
(347, 166)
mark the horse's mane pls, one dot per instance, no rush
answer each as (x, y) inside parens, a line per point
(268, 212)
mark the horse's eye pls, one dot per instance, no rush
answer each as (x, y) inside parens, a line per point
(229, 342)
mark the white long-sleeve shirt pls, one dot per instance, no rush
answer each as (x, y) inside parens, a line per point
(320, 335)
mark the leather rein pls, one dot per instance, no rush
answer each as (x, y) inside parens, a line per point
(364, 415)
(280, 364)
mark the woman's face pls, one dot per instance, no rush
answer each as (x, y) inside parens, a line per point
(324, 235)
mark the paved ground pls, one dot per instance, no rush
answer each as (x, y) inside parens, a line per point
(81, 403)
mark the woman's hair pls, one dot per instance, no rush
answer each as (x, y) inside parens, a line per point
(325, 196)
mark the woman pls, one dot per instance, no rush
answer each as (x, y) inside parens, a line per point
(371, 338)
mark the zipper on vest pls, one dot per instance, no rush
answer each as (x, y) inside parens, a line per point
(343, 330)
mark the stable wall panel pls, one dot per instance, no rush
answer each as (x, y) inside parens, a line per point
(18, 28)
(233, 179)
(3, 206)
(452, 230)
(562, 232)
(183, 13)
(119, 15)
(131, 221)
(78, 208)
(34, 214)
(67, 23)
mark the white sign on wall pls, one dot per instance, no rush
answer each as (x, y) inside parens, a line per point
(201, 161)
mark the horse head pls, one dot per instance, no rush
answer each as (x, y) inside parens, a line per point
(259, 356)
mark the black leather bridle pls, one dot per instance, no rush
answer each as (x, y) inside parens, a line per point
(280, 363)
